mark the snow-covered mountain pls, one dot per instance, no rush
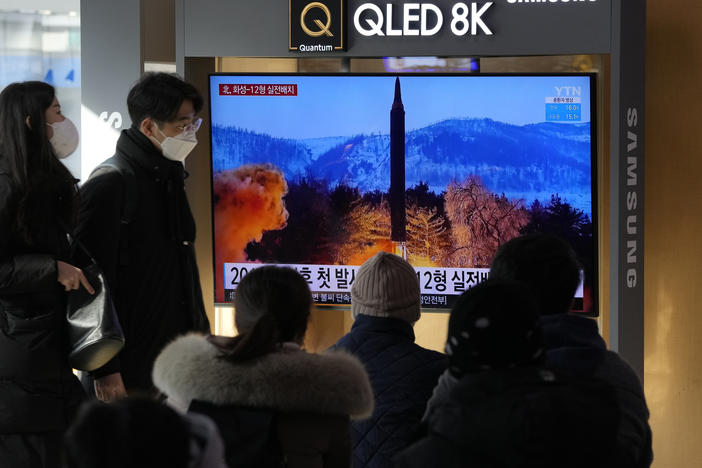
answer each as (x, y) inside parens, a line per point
(530, 161)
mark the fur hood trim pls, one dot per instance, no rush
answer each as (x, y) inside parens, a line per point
(334, 382)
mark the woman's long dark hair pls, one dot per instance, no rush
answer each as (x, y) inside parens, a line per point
(27, 154)
(272, 306)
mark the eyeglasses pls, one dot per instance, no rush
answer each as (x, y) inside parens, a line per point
(193, 126)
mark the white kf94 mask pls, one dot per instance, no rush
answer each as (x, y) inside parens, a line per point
(65, 139)
(178, 148)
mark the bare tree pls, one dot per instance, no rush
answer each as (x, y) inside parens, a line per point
(481, 221)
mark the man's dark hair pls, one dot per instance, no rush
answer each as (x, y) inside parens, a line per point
(159, 96)
(546, 263)
(138, 433)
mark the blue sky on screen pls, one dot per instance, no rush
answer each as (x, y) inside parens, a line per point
(349, 105)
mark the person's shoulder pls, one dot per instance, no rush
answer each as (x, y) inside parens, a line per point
(327, 363)
(375, 349)
(185, 355)
(431, 353)
(104, 176)
(106, 180)
(349, 342)
(333, 382)
(337, 380)
(616, 371)
(429, 357)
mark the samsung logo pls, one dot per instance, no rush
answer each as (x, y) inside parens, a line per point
(632, 195)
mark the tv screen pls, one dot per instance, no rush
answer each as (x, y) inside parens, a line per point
(321, 172)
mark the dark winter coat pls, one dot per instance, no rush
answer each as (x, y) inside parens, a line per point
(519, 418)
(38, 391)
(575, 348)
(149, 263)
(574, 345)
(287, 405)
(403, 375)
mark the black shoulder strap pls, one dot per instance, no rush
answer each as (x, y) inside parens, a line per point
(129, 202)
(130, 190)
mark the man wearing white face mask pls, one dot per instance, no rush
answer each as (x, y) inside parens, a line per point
(136, 221)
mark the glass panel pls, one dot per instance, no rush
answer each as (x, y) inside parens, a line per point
(44, 46)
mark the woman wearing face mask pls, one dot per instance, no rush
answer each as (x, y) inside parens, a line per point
(38, 391)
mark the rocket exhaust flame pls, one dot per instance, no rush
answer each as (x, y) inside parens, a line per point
(382, 245)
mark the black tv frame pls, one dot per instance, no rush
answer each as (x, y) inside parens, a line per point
(593, 165)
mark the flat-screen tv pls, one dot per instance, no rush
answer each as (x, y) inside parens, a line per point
(321, 172)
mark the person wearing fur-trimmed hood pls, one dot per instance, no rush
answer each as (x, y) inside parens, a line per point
(275, 404)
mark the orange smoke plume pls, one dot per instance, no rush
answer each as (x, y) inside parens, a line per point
(248, 202)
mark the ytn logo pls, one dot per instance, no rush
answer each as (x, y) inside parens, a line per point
(568, 91)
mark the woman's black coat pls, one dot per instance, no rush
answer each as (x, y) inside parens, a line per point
(38, 391)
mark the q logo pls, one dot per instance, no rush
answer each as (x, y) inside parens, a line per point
(323, 28)
(317, 26)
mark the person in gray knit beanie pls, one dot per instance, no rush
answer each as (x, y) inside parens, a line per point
(385, 303)
(386, 286)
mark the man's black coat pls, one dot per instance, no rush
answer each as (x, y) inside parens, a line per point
(149, 262)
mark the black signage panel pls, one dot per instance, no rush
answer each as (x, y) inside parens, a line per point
(318, 26)
(372, 28)
(476, 28)
(627, 178)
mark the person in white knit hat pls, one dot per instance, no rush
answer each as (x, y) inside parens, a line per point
(385, 303)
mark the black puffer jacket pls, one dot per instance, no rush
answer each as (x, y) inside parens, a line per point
(519, 418)
(574, 346)
(403, 375)
(38, 391)
(150, 262)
